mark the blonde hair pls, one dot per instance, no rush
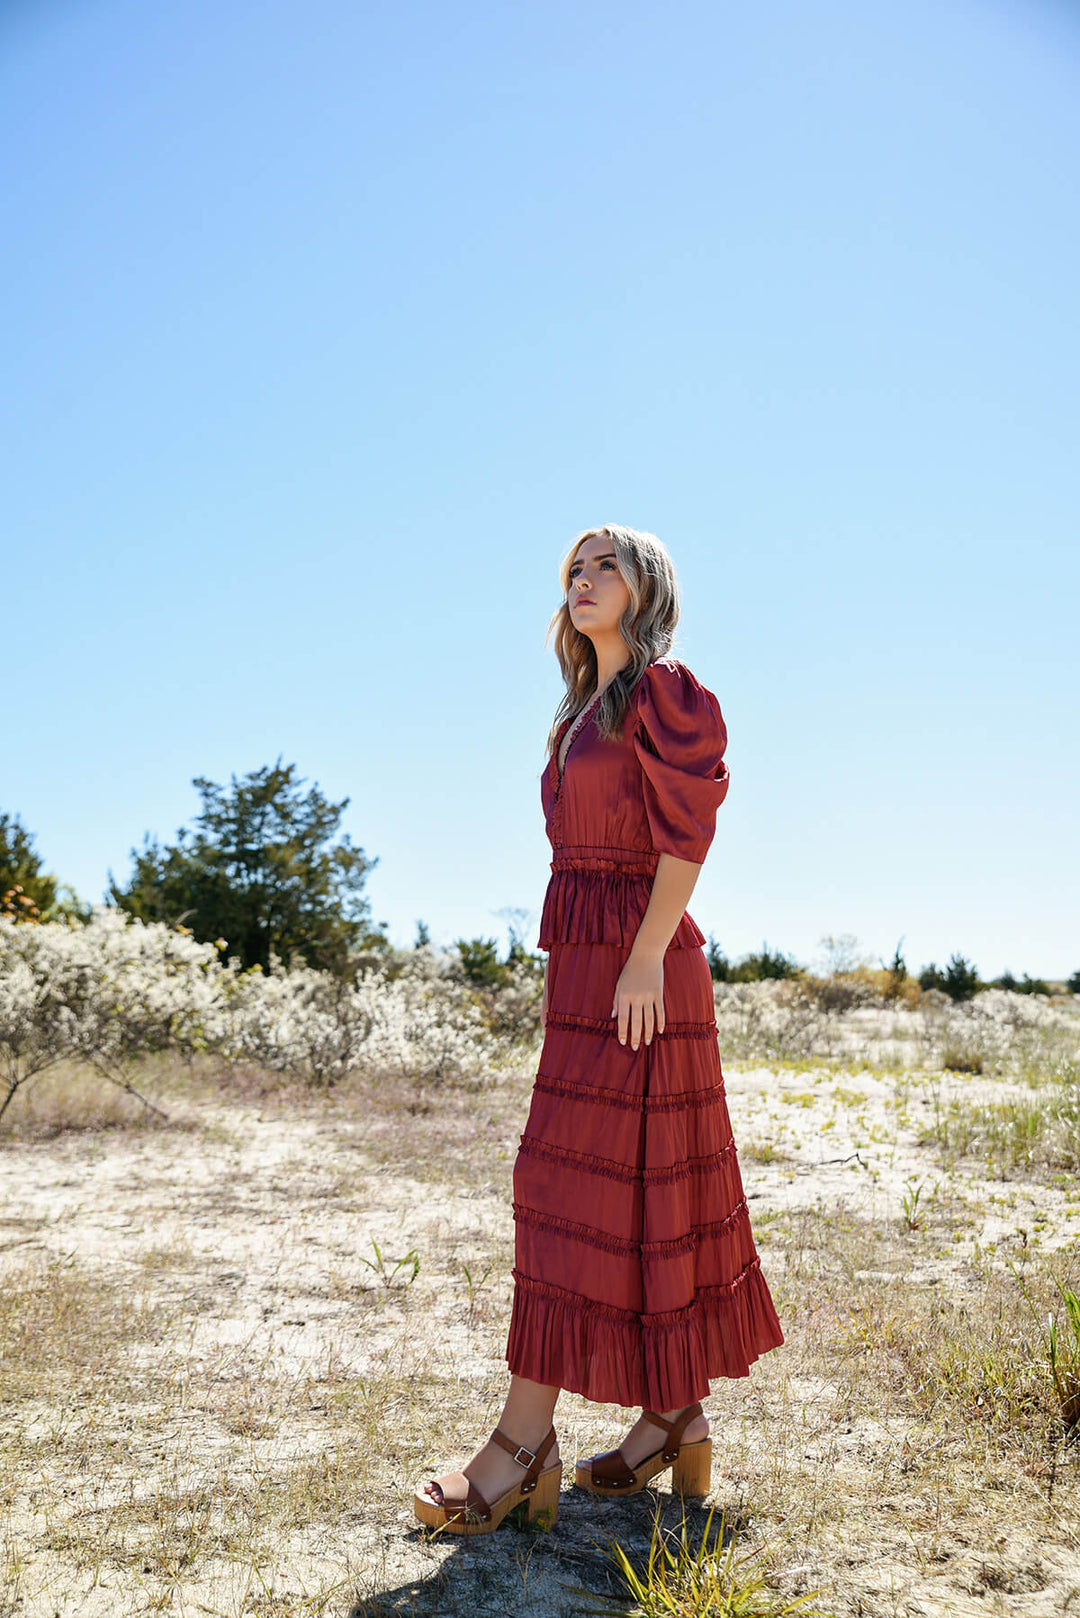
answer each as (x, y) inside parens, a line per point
(647, 626)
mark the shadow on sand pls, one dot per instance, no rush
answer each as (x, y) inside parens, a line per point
(561, 1573)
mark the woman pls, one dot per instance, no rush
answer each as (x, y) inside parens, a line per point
(636, 1276)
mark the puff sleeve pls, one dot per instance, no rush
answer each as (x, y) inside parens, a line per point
(679, 738)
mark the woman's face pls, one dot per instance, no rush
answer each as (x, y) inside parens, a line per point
(597, 595)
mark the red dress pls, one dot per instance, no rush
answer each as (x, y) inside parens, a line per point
(636, 1277)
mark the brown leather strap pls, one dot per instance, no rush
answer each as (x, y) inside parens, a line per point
(469, 1504)
(531, 1460)
(610, 1470)
(674, 1429)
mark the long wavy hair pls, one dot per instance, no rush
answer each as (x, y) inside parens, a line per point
(647, 626)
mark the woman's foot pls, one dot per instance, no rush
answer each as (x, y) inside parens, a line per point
(645, 1438)
(491, 1470)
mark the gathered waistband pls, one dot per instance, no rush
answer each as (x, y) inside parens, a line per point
(614, 861)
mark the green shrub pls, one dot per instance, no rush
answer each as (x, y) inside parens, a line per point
(960, 980)
(897, 976)
(719, 965)
(25, 890)
(767, 964)
(481, 964)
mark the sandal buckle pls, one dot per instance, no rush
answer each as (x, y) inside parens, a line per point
(521, 1450)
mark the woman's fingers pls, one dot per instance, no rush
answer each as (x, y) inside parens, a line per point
(638, 1002)
(637, 1017)
(623, 1009)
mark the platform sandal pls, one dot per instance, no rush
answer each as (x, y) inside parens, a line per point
(691, 1464)
(464, 1509)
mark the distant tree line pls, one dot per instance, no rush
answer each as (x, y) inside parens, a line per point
(959, 979)
(263, 870)
(753, 968)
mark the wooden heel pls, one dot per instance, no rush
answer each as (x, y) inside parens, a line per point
(545, 1497)
(691, 1471)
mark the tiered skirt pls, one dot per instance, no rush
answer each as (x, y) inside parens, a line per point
(636, 1276)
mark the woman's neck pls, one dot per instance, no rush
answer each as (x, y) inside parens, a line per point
(609, 662)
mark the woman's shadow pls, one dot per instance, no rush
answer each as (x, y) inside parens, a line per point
(557, 1573)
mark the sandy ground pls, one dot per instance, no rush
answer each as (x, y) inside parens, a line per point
(241, 1394)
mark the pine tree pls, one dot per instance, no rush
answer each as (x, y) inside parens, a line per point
(24, 888)
(261, 870)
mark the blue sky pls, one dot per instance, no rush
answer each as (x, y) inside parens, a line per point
(328, 326)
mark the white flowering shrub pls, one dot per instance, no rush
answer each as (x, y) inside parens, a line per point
(107, 992)
(997, 1032)
(117, 989)
(765, 1021)
(418, 1022)
(512, 1008)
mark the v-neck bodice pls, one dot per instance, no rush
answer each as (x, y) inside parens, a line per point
(577, 725)
(619, 802)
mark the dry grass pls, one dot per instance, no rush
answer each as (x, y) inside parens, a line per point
(1029, 1133)
(215, 1399)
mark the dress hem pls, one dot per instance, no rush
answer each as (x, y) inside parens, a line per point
(660, 1362)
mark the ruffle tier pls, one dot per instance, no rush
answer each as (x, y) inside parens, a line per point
(615, 1356)
(600, 896)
